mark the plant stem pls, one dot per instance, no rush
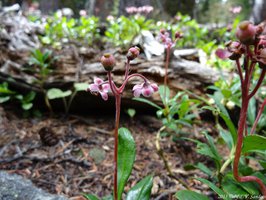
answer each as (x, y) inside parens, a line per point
(166, 66)
(241, 128)
(258, 117)
(117, 119)
(47, 102)
(228, 161)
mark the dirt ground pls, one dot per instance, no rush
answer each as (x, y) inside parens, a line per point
(73, 155)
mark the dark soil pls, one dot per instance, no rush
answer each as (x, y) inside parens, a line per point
(73, 155)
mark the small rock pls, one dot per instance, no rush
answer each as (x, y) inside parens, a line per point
(15, 187)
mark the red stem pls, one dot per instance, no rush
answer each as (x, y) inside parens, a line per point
(258, 117)
(262, 75)
(117, 120)
(241, 129)
(166, 65)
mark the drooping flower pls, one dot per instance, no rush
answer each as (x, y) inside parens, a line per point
(99, 86)
(233, 51)
(146, 89)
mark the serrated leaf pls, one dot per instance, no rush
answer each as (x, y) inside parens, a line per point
(126, 158)
(204, 169)
(55, 93)
(141, 191)
(190, 195)
(254, 142)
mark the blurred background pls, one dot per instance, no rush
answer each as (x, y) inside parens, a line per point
(211, 11)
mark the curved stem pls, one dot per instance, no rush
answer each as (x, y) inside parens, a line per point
(228, 161)
(262, 75)
(121, 89)
(112, 85)
(127, 69)
(258, 117)
(240, 133)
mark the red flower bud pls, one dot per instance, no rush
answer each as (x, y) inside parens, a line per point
(246, 32)
(262, 58)
(108, 61)
(133, 53)
(178, 35)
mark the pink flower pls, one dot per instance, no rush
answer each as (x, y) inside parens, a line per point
(146, 89)
(233, 51)
(99, 87)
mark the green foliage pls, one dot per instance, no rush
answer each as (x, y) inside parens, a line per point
(26, 100)
(55, 93)
(141, 191)
(60, 30)
(41, 64)
(122, 31)
(190, 195)
(131, 112)
(126, 158)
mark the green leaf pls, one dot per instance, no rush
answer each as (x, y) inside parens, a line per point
(204, 169)
(141, 191)
(190, 195)
(254, 142)
(109, 197)
(227, 137)
(91, 197)
(81, 86)
(131, 112)
(147, 101)
(164, 92)
(218, 191)
(27, 106)
(231, 187)
(4, 99)
(55, 93)
(126, 158)
(251, 114)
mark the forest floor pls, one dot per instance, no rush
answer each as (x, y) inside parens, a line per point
(74, 154)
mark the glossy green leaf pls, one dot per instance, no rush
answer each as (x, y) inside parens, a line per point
(254, 142)
(190, 195)
(126, 158)
(55, 93)
(91, 197)
(141, 191)
(231, 187)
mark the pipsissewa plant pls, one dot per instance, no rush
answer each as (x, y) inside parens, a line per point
(251, 50)
(124, 146)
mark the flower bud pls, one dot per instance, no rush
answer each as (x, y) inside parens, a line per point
(178, 35)
(108, 61)
(246, 32)
(133, 53)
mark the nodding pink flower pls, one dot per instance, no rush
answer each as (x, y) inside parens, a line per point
(146, 89)
(166, 39)
(99, 86)
(233, 51)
